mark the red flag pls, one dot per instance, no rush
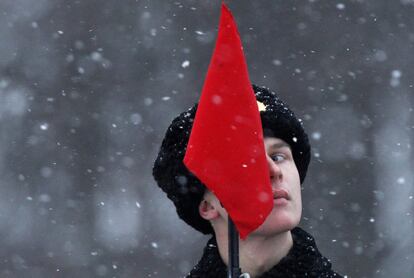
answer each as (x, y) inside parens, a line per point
(226, 150)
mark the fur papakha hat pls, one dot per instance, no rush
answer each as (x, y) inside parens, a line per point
(185, 190)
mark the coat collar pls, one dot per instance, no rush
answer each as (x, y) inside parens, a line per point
(303, 260)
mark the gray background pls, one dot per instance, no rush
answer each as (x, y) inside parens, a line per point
(88, 88)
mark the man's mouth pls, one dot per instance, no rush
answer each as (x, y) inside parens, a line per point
(280, 193)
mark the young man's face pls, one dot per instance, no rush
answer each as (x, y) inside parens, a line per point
(285, 181)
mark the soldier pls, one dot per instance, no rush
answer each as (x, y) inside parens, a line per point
(273, 246)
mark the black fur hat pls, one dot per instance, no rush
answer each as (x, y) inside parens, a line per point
(185, 190)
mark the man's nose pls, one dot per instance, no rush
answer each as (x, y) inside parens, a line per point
(275, 172)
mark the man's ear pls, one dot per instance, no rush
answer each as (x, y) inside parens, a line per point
(207, 210)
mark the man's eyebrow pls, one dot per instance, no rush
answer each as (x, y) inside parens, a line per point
(279, 145)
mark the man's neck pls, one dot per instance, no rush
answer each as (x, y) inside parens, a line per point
(258, 254)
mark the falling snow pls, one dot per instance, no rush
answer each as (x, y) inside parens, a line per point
(44, 126)
(86, 96)
(340, 6)
(185, 64)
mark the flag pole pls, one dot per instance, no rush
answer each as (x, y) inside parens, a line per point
(233, 269)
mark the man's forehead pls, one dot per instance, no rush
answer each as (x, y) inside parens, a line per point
(275, 142)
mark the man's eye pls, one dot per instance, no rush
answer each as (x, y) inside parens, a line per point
(277, 157)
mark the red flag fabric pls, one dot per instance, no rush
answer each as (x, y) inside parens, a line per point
(226, 150)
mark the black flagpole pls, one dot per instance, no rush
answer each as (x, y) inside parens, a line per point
(233, 269)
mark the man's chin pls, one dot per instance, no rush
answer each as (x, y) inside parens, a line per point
(272, 228)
